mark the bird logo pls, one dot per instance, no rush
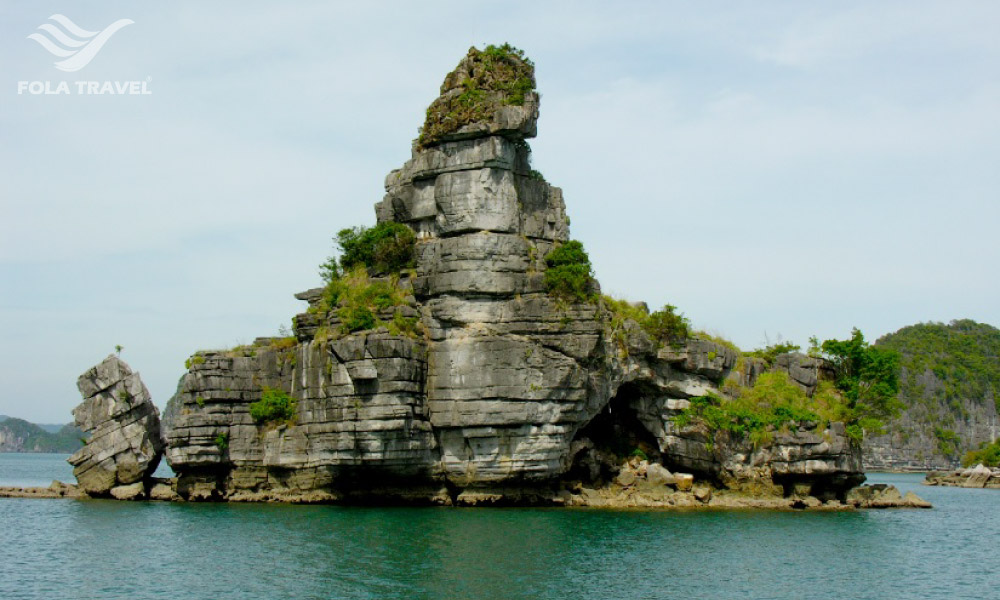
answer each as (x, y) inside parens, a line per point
(76, 46)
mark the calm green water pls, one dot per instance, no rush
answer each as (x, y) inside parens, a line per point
(107, 549)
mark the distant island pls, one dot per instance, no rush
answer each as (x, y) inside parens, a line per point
(949, 391)
(18, 435)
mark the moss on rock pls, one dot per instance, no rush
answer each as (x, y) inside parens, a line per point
(484, 82)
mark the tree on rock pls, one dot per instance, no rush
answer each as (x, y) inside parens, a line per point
(569, 276)
(868, 378)
(386, 248)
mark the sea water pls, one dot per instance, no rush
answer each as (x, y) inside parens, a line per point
(135, 550)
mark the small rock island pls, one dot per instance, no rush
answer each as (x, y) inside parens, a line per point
(979, 476)
(462, 354)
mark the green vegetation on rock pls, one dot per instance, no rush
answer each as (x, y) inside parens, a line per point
(964, 355)
(569, 275)
(774, 403)
(491, 78)
(623, 309)
(862, 395)
(987, 454)
(358, 298)
(769, 353)
(867, 377)
(274, 407)
(947, 441)
(742, 417)
(667, 325)
(949, 375)
(664, 325)
(386, 248)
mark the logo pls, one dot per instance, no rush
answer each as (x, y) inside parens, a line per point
(75, 45)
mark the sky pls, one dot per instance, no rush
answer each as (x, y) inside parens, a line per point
(776, 170)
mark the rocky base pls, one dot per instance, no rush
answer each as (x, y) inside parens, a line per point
(975, 477)
(641, 484)
(708, 497)
(883, 496)
(640, 494)
(57, 489)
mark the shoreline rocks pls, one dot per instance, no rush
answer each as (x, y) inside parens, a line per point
(56, 489)
(979, 476)
(636, 496)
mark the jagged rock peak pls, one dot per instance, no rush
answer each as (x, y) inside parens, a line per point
(470, 172)
(490, 92)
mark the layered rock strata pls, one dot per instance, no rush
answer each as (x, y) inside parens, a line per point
(124, 444)
(501, 392)
(361, 417)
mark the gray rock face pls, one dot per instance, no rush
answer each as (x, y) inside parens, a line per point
(123, 424)
(360, 413)
(657, 474)
(910, 443)
(824, 460)
(501, 388)
(805, 371)
(700, 357)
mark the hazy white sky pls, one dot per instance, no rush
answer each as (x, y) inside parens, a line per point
(772, 168)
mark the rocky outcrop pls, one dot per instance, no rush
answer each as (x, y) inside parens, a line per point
(361, 416)
(490, 93)
(979, 476)
(810, 460)
(494, 391)
(805, 371)
(56, 490)
(124, 445)
(881, 495)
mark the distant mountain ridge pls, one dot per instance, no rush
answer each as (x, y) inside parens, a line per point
(18, 435)
(950, 389)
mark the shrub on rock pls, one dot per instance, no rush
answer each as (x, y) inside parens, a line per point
(569, 275)
(274, 406)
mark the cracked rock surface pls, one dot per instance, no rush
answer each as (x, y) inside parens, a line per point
(498, 389)
(124, 445)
